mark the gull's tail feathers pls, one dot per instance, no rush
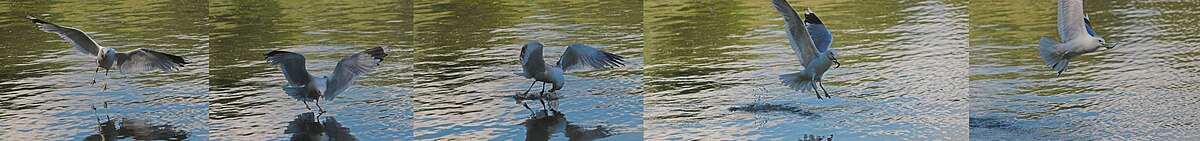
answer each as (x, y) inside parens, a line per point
(1051, 57)
(798, 81)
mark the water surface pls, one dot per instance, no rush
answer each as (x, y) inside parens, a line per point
(467, 64)
(1142, 90)
(714, 66)
(45, 84)
(248, 102)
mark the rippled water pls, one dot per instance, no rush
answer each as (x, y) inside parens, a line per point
(248, 102)
(45, 91)
(1142, 90)
(711, 71)
(714, 67)
(467, 60)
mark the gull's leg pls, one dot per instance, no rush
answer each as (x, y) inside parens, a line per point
(530, 87)
(105, 87)
(542, 97)
(823, 89)
(814, 86)
(306, 105)
(94, 75)
(526, 105)
(319, 106)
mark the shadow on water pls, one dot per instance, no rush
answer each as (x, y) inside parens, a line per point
(133, 128)
(774, 108)
(541, 126)
(306, 127)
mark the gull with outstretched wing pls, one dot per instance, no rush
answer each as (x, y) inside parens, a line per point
(306, 87)
(810, 40)
(1078, 37)
(127, 62)
(576, 56)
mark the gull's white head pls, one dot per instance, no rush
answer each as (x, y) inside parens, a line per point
(1096, 43)
(1104, 43)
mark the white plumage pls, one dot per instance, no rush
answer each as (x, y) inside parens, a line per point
(1078, 37)
(810, 41)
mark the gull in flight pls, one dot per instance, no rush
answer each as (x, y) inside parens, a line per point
(306, 87)
(1077, 34)
(810, 40)
(576, 56)
(127, 62)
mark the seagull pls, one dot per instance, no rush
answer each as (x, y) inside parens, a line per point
(576, 56)
(1077, 34)
(306, 87)
(127, 62)
(810, 40)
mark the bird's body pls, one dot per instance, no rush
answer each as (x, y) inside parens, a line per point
(576, 56)
(305, 87)
(810, 40)
(108, 58)
(1078, 37)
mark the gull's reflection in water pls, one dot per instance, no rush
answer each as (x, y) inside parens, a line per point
(136, 129)
(306, 128)
(543, 125)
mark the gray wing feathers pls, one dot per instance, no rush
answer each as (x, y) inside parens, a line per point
(78, 39)
(820, 35)
(351, 67)
(1071, 20)
(579, 56)
(292, 65)
(531, 60)
(146, 59)
(802, 43)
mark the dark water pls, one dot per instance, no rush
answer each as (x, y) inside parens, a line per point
(1142, 90)
(248, 102)
(467, 60)
(45, 90)
(714, 67)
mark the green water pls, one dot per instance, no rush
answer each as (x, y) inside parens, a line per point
(1141, 90)
(46, 84)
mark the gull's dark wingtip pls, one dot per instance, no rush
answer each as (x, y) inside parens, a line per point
(377, 53)
(177, 59)
(35, 20)
(273, 52)
(614, 59)
(811, 18)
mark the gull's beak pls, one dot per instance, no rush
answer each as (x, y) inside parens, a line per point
(839, 63)
(1114, 45)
